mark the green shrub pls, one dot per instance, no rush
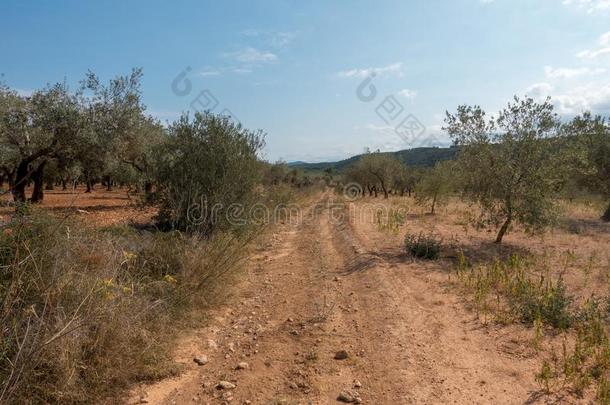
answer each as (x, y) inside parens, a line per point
(423, 246)
(207, 173)
(550, 303)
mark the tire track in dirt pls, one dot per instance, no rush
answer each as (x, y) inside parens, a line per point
(451, 357)
(277, 324)
(321, 286)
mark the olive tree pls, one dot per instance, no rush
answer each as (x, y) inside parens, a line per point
(207, 172)
(510, 165)
(12, 117)
(379, 169)
(34, 130)
(435, 185)
(116, 126)
(365, 181)
(589, 138)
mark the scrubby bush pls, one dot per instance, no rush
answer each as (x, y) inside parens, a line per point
(550, 303)
(526, 299)
(436, 185)
(423, 246)
(207, 174)
(85, 312)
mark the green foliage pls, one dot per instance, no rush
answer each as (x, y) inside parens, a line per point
(525, 299)
(546, 376)
(423, 246)
(510, 165)
(531, 301)
(390, 220)
(587, 359)
(377, 172)
(509, 289)
(56, 133)
(207, 172)
(589, 143)
(436, 185)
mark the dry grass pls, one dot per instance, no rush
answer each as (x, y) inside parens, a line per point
(555, 284)
(87, 311)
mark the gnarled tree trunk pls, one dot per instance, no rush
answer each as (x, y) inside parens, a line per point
(606, 216)
(37, 176)
(21, 180)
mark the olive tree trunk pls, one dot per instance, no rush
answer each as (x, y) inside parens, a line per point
(503, 229)
(37, 176)
(606, 216)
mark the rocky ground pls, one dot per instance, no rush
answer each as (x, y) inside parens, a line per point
(328, 314)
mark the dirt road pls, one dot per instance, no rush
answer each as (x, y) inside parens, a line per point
(332, 283)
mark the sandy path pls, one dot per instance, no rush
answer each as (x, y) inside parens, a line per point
(324, 285)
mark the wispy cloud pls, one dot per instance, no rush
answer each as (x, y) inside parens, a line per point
(377, 128)
(568, 73)
(408, 94)
(252, 55)
(591, 6)
(210, 72)
(381, 137)
(394, 68)
(242, 61)
(241, 70)
(274, 39)
(591, 54)
(282, 39)
(603, 49)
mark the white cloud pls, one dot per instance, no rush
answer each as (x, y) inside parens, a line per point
(539, 91)
(241, 70)
(275, 39)
(591, 6)
(252, 55)
(282, 39)
(591, 54)
(590, 97)
(604, 43)
(383, 137)
(408, 93)
(210, 72)
(394, 68)
(568, 73)
(570, 101)
(379, 128)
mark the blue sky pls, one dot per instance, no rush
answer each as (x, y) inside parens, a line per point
(293, 68)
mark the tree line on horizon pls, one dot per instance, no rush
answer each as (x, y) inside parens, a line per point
(513, 165)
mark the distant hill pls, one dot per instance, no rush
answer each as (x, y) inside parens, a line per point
(417, 157)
